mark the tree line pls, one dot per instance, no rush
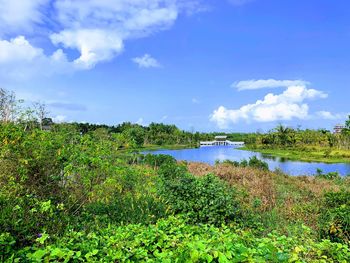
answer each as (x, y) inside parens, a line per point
(287, 137)
(127, 134)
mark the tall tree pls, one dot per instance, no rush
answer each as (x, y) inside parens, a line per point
(41, 112)
(7, 105)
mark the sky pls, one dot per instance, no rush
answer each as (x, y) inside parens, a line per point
(204, 65)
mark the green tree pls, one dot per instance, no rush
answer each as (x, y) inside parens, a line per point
(135, 136)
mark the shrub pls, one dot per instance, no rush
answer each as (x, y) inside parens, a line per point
(25, 217)
(204, 199)
(7, 243)
(328, 176)
(256, 163)
(327, 153)
(174, 240)
(253, 162)
(158, 160)
(124, 209)
(335, 217)
(233, 163)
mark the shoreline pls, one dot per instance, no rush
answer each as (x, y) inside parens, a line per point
(165, 147)
(303, 156)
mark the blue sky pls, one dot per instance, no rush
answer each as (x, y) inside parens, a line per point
(232, 65)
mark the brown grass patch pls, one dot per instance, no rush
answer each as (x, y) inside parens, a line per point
(295, 197)
(256, 183)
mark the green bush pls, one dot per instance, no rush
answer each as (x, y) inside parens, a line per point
(126, 209)
(204, 199)
(7, 243)
(157, 160)
(256, 163)
(328, 176)
(253, 162)
(26, 217)
(174, 240)
(335, 217)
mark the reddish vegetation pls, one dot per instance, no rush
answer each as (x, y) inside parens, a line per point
(257, 183)
(291, 197)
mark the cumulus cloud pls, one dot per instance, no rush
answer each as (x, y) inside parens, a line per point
(96, 29)
(19, 59)
(285, 106)
(267, 83)
(21, 15)
(146, 61)
(94, 45)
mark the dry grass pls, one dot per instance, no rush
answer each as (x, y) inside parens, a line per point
(256, 183)
(314, 185)
(294, 198)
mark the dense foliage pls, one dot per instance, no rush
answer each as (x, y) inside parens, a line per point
(73, 196)
(203, 200)
(173, 240)
(284, 137)
(252, 162)
(335, 219)
(307, 145)
(68, 196)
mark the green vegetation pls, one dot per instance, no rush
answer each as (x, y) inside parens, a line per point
(73, 196)
(304, 145)
(253, 162)
(306, 154)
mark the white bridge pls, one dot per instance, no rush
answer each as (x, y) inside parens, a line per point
(220, 140)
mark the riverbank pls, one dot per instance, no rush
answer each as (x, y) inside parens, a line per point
(165, 147)
(324, 155)
(151, 147)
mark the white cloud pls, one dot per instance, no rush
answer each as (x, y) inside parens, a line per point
(286, 106)
(95, 45)
(146, 61)
(267, 83)
(139, 121)
(122, 15)
(18, 49)
(20, 14)
(19, 59)
(97, 29)
(330, 116)
(59, 118)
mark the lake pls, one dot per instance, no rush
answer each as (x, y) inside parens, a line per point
(210, 154)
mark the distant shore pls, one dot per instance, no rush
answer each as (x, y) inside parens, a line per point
(324, 155)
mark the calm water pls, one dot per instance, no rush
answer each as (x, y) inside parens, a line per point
(211, 153)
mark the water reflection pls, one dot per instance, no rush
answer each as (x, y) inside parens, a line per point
(212, 153)
(269, 157)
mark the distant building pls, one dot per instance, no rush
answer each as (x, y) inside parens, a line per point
(220, 140)
(338, 128)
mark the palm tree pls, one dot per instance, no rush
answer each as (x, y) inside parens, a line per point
(283, 134)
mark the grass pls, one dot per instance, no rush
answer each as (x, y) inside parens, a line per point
(151, 147)
(311, 154)
(280, 201)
